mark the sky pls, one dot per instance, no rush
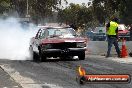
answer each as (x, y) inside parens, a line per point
(77, 1)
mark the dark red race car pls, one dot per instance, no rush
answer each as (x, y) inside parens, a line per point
(57, 42)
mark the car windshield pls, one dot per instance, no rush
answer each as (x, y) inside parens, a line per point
(100, 29)
(55, 32)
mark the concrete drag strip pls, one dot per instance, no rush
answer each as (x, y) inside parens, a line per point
(127, 60)
(62, 74)
(123, 60)
(6, 81)
(26, 82)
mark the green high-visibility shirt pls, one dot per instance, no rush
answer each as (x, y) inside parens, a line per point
(112, 28)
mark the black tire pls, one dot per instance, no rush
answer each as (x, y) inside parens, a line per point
(34, 56)
(130, 54)
(81, 55)
(42, 56)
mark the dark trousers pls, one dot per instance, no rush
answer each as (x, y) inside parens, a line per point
(111, 41)
(131, 35)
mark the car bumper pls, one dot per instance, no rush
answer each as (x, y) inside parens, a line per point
(124, 36)
(100, 36)
(60, 52)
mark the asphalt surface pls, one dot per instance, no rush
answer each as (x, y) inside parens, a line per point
(62, 74)
(100, 47)
(6, 81)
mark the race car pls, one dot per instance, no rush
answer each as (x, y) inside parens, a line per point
(55, 42)
(99, 34)
(123, 32)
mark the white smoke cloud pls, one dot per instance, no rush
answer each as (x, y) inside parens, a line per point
(14, 39)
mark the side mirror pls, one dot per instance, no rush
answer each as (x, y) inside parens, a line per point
(36, 37)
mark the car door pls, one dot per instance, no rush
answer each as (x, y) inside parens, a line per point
(37, 41)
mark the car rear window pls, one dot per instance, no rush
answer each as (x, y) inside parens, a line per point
(121, 27)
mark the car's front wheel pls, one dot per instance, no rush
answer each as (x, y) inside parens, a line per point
(81, 55)
(34, 56)
(42, 56)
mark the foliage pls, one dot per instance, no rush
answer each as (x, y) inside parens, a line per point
(36, 8)
(100, 12)
(40, 7)
(75, 14)
(4, 6)
(109, 8)
(127, 13)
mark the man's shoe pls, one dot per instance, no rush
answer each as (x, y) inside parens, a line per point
(119, 56)
(130, 54)
(107, 56)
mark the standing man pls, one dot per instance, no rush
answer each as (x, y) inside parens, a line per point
(130, 32)
(130, 38)
(112, 35)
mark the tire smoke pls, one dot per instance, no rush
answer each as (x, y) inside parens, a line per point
(14, 39)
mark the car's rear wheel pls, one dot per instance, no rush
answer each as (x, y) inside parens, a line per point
(81, 55)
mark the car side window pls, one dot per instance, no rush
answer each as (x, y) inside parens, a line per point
(38, 35)
(44, 33)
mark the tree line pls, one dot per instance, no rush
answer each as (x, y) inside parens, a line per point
(37, 9)
(98, 14)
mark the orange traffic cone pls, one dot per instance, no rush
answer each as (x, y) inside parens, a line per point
(124, 52)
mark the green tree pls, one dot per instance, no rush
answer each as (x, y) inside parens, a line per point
(109, 8)
(19, 6)
(75, 14)
(4, 6)
(37, 9)
(127, 13)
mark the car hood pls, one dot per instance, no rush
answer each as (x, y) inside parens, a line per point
(61, 40)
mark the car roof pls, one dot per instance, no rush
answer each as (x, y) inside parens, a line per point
(45, 27)
(97, 29)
